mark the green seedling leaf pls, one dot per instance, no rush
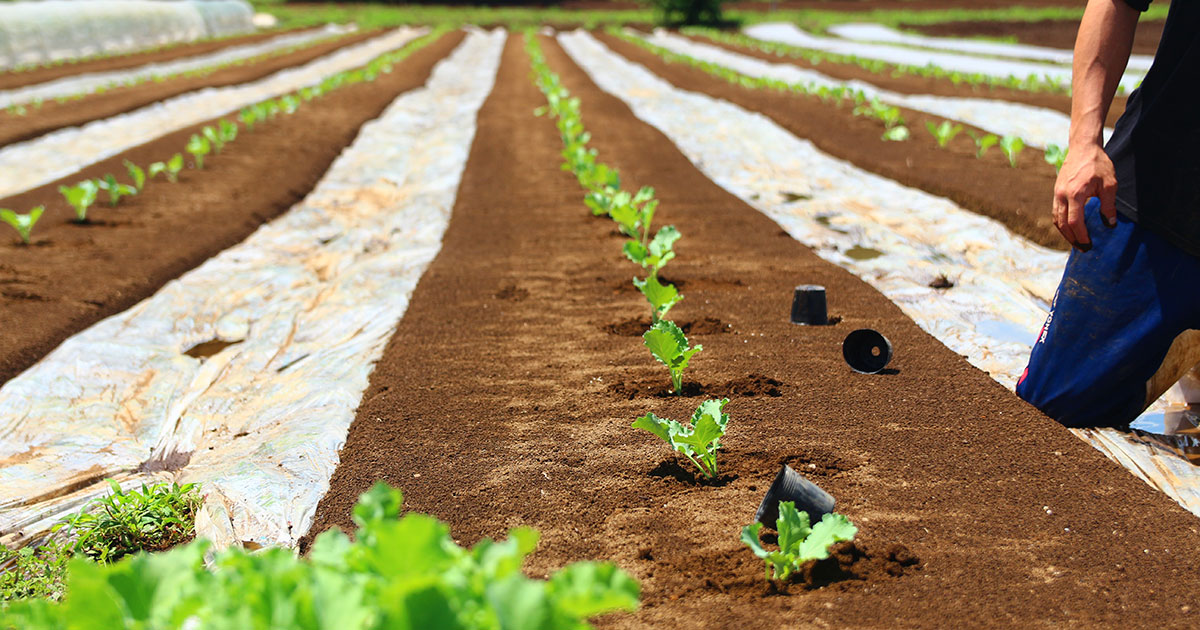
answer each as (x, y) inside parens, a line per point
(698, 442)
(1012, 146)
(213, 137)
(1055, 156)
(658, 253)
(944, 133)
(22, 223)
(661, 296)
(669, 345)
(899, 133)
(199, 147)
(115, 189)
(798, 542)
(227, 131)
(81, 196)
(249, 116)
(983, 143)
(136, 174)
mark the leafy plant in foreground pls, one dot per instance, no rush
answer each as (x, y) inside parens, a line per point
(798, 543)
(154, 518)
(115, 189)
(171, 167)
(1055, 156)
(198, 146)
(983, 143)
(698, 442)
(943, 133)
(669, 345)
(136, 174)
(661, 296)
(81, 196)
(1012, 146)
(396, 573)
(33, 572)
(22, 223)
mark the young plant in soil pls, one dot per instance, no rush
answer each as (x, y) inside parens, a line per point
(669, 345)
(1012, 146)
(81, 196)
(654, 255)
(171, 167)
(33, 572)
(661, 296)
(983, 143)
(115, 189)
(798, 543)
(698, 442)
(198, 146)
(943, 133)
(136, 174)
(1055, 156)
(214, 138)
(227, 131)
(154, 518)
(22, 223)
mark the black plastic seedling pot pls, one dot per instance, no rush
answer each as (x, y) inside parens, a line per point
(808, 305)
(866, 351)
(791, 486)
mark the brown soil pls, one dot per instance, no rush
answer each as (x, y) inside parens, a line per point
(74, 275)
(975, 510)
(53, 115)
(41, 74)
(911, 84)
(1049, 33)
(1018, 197)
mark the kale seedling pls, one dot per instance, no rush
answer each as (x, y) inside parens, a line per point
(699, 442)
(943, 133)
(199, 147)
(661, 296)
(227, 131)
(1012, 147)
(250, 116)
(22, 223)
(657, 254)
(899, 133)
(136, 174)
(983, 143)
(1055, 156)
(115, 189)
(798, 543)
(81, 196)
(669, 345)
(214, 138)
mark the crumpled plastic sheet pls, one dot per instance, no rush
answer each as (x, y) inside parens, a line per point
(895, 238)
(53, 30)
(30, 164)
(1002, 68)
(1037, 126)
(84, 83)
(878, 33)
(307, 303)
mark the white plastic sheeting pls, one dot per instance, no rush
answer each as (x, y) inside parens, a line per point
(308, 303)
(88, 82)
(1037, 126)
(895, 238)
(1001, 68)
(44, 159)
(886, 35)
(53, 30)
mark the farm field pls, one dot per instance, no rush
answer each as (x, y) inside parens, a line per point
(461, 252)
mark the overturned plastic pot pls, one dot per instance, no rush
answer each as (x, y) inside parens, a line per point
(808, 306)
(791, 486)
(867, 351)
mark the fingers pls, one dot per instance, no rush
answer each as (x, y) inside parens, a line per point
(1075, 223)
(1059, 213)
(1108, 202)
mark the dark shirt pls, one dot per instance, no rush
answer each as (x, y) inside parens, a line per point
(1155, 146)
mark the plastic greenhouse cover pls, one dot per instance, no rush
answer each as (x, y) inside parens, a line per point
(895, 238)
(883, 34)
(53, 30)
(46, 158)
(83, 83)
(1037, 126)
(1001, 68)
(306, 303)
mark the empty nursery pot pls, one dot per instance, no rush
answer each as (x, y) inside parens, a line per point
(866, 351)
(808, 305)
(791, 486)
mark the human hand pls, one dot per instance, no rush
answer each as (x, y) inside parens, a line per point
(1088, 172)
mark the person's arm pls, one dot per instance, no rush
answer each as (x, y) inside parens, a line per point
(1101, 53)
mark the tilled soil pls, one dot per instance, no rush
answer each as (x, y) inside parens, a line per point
(912, 84)
(53, 115)
(74, 275)
(1048, 33)
(41, 74)
(494, 405)
(1018, 197)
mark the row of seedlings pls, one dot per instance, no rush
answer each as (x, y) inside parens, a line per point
(211, 139)
(799, 541)
(894, 125)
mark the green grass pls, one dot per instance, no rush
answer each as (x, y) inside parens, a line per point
(33, 572)
(151, 519)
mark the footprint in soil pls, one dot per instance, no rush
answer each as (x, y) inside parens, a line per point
(673, 469)
(748, 386)
(637, 326)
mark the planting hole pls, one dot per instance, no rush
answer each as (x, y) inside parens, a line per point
(209, 348)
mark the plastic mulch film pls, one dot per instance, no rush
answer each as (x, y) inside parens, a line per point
(57, 154)
(84, 83)
(878, 33)
(895, 238)
(1037, 126)
(294, 319)
(954, 62)
(54, 30)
